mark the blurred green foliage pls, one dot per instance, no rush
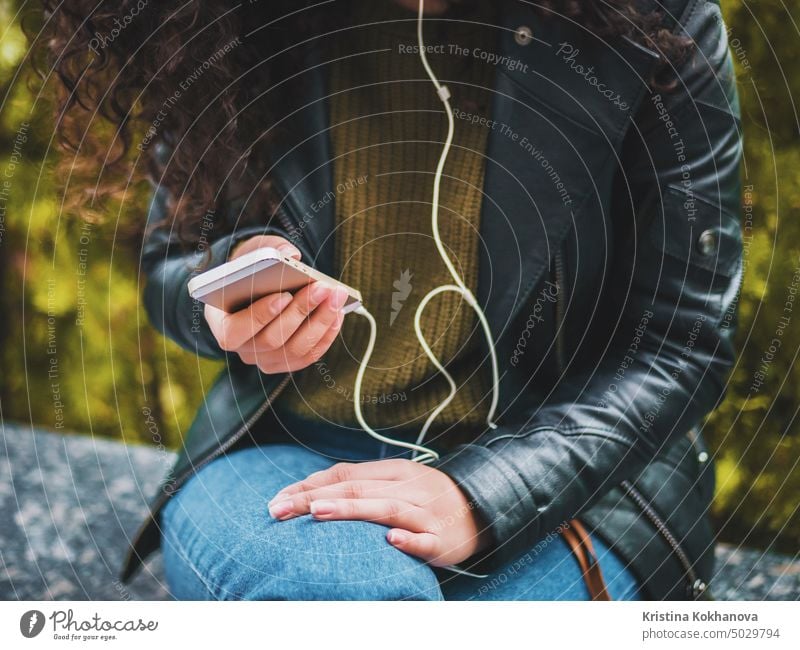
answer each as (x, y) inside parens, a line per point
(76, 350)
(756, 433)
(77, 353)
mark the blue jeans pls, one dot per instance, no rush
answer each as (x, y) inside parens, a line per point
(220, 543)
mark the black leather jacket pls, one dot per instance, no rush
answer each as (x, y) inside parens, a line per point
(620, 204)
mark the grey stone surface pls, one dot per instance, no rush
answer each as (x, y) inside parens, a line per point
(69, 503)
(747, 574)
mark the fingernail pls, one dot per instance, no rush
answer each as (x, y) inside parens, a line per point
(281, 496)
(320, 292)
(322, 507)
(291, 251)
(338, 298)
(397, 537)
(282, 302)
(280, 510)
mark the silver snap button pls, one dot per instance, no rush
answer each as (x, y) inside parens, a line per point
(707, 242)
(702, 457)
(523, 35)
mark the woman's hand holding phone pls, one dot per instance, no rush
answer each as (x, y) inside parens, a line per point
(280, 332)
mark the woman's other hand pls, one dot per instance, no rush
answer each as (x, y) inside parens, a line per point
(428, 515)
(280, 332)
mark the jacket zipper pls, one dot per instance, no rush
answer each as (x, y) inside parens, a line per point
(286, 223)
(559, 278)
(697, 588)
(225, 446)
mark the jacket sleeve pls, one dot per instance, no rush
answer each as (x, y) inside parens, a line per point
(168, 267)
(666, 364)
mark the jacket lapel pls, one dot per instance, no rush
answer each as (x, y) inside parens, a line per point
(302, 162)
(552, 151)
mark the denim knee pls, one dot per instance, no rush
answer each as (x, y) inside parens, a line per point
(304, 559)
(298, 559)
(220, 543)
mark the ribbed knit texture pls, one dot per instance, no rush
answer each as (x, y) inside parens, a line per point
(388, 128)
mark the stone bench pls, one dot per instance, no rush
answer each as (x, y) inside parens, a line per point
(69, 503)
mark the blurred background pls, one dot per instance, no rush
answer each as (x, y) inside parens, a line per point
(77, 354)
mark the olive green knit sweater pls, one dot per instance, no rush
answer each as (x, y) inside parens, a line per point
(387, 131)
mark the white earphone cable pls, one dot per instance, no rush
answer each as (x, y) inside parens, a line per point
(423, 454)
(427, 455)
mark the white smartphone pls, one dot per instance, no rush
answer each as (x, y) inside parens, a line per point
(235, 284)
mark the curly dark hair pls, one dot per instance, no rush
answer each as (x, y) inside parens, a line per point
(126, 96)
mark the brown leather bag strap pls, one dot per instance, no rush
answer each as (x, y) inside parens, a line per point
(581, 544)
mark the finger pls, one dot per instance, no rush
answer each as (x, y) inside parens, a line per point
(389, 470)
(247, 356)
(234, 330)
(283, 358)
(268, 241)
(308, 335)
(425, 546)
(273, 363)
(279, 331)
(324, 344)
(214, 317)
(389, 512)
(300, 503)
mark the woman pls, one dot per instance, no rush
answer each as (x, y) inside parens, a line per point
(589, 203)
